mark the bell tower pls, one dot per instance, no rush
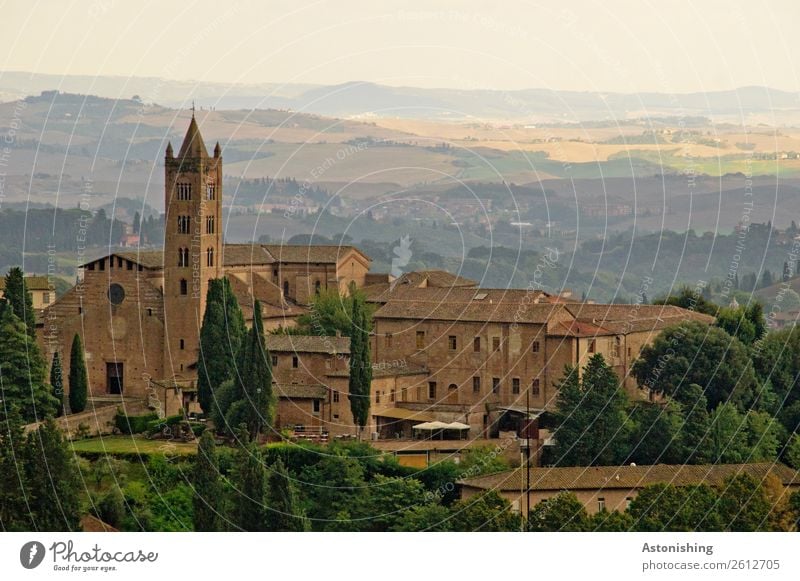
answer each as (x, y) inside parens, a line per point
(192, 246)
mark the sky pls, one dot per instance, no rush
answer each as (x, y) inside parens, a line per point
(585, 45)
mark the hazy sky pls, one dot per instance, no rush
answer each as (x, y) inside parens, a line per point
(606, 45)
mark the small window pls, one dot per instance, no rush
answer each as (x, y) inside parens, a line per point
(335, 416)
(274, 360)
(535, 347)
(46, 298)
(80, 310)
(495, 385)
(102, 263)
(535, 387)
(335, 397)
(184, 191)
(210, 257)
(149, 312)
(391, 395)
(452, 387)
(476, 344)
(420, 339)
(378, 397)
(184, 224)
(182, 343)
(285, 288)
(495, 343)
(211, 191)
(90, 266)
(452, 343)
(129, 265)
(315, 406)
(140, 268)
(515, 385)
(431, 390)
(476, 384)
(601, 504)
(592, 346)
(184, 287)
(388, 340)
(295, 361)
(209, 224)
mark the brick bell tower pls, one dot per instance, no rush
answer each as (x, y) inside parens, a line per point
(192, 246)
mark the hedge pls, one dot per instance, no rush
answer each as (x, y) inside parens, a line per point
(133, 424)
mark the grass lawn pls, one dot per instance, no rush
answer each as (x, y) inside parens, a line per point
(132, 445)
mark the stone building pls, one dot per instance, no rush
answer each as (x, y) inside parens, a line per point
(43, 294)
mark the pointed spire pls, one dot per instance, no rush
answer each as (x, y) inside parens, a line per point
(169, 150)
(217, 150)
(193, 145)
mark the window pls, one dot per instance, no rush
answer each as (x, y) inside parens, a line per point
(210, 257)
(391, 395)
(90, 266)
(129, 265)
(601, 504)
(420, 339)
(317, 287)
(295, 362)
(431, 390)
(495, 343)
(452, 387)
(452, 342)
(629, 351)
(387, 339)
(476, 344)
(211, 191)
(515, 386)
(102, 263)
(184, 191)
(315, 406)
(535, 347)
(80, 310)
(286, 288)
(495, 385)
(591, 346)
(184, 224)
(149, 312)
(274, 360)
(181, 344)
(183, 257)
(535, 387)
(46, 298)
(119, 261)
(335, 416)
(335, 397)
(476, 384)
(209, 224)
(377, 397)
(184, 287)
(616, 345)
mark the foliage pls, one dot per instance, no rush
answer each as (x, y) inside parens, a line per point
(133, 424)
(561, 513)
(695, 427)
(485, 512)
(17, 296)
(360, 380)
(664, 507)
(254, 379)
(206, 485)
(285, 510)
(249, 480)
(728, 435)
(57, 383)
(793, 451)
(482, 460)
(333, 482)
(743, 505)
(591, 420)
(692, 352)
(78, 378)
(386, 501)
(656, 437)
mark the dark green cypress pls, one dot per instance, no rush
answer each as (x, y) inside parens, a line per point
(207, 485)
(17, 295)
(78, 378)
(57, 382)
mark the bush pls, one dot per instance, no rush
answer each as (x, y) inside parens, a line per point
(133, 424)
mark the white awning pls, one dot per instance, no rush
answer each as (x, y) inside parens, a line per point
(441, 426)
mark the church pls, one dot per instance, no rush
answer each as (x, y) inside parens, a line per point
(139, 313)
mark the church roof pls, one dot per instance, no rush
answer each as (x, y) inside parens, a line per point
(193, 145)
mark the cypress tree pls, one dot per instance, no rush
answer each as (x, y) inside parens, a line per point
(250, 511)
(52, 475)
(57, 383)
(286, 513)
(78, 378)
(22, 370)
(360, 367)
(207, 485)
(221, 337)
(17, 295)
(14, 512)
(254, 374)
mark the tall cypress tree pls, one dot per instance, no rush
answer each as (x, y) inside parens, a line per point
(22, 370)
(14, 511)
(78, 378)
(207, 485)
(57, 383)
(285, 512)
(17, 295)
(221, 337)
(250, 511)
(360, 367)
(254, 374)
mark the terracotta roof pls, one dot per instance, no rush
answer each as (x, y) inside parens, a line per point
(147, 258)
(380, 292)
(460, 304)
(308, 344)
(300, 391)
(245, 254)
(622, 319)
(32, 282)
(576, 329)
(314, 253)
(628, 477)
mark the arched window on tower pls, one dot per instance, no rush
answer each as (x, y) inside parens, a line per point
(211, 191)
(180, 257)
(210, 257)
(184, 191)
(184, 224)
(184, 287)
(209, 224)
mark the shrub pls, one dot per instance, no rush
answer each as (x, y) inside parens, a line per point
(133, 424)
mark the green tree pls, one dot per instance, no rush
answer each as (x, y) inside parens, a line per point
(656, 437)
(793, 451)
(329, 313)
(285, 510)
(743, 506)
(687, 298)
(728, 436)
(335, 481)
(736, 323)
(664, 507)
(696, 425)
(385, 502)
(249, 508)
(693, 352)
(78, 378)
(764, 436)
(207, 486)
(485, 512)
(14, 495)
(591, 419)
(221, 338)
(22, 371)
(426, 518)
(52, 477)
(360, 381)
(610, 522)
(561, 513)
(57, 383)
(254, 376)
(17, 295)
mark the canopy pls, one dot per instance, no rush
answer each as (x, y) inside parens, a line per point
(441, 426)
